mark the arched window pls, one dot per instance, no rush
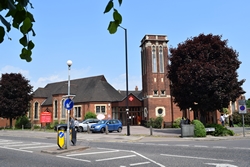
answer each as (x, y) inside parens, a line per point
(154, 60)
(55, 109)
(161, 60)
(63, 110)
(36, 111)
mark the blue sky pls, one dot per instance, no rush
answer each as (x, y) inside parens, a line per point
(78, 31)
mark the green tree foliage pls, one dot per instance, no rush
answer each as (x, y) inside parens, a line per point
(15, 96)
(155, 122)
(199, 129)
(22, 121)
(237, 119)
(20, 18)
(203, 74)
(117, 18)
(89, 114)
(16, 11)
(248, 103)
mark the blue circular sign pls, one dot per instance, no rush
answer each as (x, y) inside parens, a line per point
(61, 134)
(242, 108)
(68, 104)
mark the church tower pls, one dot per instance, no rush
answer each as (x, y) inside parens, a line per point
(155, 84)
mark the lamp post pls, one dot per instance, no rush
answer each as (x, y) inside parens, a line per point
(126, 59)
(69, 63)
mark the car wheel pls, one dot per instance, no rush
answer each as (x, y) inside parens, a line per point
(110, 131)
(80, 129)
(102, 130)
(119, 130)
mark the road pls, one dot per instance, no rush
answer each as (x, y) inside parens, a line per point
(26, 151)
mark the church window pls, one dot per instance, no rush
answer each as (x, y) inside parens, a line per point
(154, 60)
(161, 60)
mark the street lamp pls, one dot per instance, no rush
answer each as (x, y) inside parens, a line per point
(69, 63)
(126, 59)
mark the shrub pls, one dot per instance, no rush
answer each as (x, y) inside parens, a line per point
(89, 114)
(237, 119)
(155, 122)
(199, 129)
(177, 122)
(220, 130)
(22, 121)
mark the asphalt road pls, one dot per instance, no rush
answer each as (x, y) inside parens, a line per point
(26, 151)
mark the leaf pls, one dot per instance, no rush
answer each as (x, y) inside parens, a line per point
(11, 5)
(33, 32)
(26, 54)
(120, 2)
(30, 16)
(109, 6)
(117, 17)
(23, 41)
(19, 17)
(2, 33)
(26, 25)
(112, 28)
(7, 24)
(31, 45)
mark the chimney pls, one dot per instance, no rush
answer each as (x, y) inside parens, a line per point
(136, 88)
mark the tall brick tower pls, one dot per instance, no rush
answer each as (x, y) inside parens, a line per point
(155, 84)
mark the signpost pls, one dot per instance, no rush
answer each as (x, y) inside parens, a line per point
(68, 104)
(242, 110)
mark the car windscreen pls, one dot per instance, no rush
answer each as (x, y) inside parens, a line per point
(102, 121)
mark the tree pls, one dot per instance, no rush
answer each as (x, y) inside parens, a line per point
(15, 96)
(203, 74)
(22, 19)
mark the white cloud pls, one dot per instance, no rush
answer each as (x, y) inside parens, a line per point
(11, 69)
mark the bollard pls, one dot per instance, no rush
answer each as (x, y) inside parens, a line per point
(151, 131)
(106, 130)
(22, 127)
(88, 130)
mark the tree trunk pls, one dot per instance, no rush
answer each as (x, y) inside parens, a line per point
(10, 122)
(203, 117)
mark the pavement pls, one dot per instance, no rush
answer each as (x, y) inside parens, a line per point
(137, 134)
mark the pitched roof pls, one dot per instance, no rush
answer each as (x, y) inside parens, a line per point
(85, 90)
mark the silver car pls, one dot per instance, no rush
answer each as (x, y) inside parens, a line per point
(83, 126)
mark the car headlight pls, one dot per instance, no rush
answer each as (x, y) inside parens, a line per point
(98, 126)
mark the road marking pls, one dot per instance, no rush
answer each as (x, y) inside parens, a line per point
(148, 159)
(22, 145)
(163, 144)
(8, 148)
(241, 148)
(71, 155)
(23, 148)
(200, 146)
(140, 163)
(73, 158)
(182, 145)
(180, 156)
(107, 159)
(219, 147)
(11, 143)
(221, 165)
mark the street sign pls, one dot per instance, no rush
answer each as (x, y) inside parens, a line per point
(242, 107)
(45, 117)
(68, 104)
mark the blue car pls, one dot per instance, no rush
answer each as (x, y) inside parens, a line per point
(113, 125)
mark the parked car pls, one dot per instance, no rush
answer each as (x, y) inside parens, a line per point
(112, 124)
(83, 126)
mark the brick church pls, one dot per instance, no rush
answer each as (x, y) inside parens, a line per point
(95, 94)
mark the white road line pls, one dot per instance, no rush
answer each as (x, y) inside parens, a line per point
(219, 147)
(163, 144)
(140, 163)
(180, 156)
(241, 148)
(11, 143)
(73, 158)
(22, 145)
(71, 155)
(148, 159)
(23, 148)
(200, 146)
(108, 159)
(182, 145)
(17, 149)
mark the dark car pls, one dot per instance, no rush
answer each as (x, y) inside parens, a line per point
(60, 127)
(112, 124)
